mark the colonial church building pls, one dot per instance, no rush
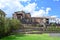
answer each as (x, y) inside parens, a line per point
(26, 18)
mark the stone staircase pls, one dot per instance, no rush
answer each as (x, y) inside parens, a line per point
(28, 29)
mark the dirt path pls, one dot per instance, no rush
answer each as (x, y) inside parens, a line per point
(54, 34)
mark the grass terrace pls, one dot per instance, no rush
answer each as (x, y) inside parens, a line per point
(31, 37)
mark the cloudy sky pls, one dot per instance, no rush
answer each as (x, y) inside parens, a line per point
(37, 8)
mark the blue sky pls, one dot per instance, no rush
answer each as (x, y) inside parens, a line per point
(37, 8)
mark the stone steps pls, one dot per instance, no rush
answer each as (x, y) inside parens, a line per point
(31, 30)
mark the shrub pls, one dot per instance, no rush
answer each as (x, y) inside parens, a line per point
(15, 24)
(7, 25)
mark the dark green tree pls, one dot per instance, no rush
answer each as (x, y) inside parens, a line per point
(8, 25)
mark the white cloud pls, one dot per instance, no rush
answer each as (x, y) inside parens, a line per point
(37, 7)
(10, 6)
(54, 16)
(38, 13)
(35, 0)
(59, 21)
(30, 7)
(47, 10)
(42, 7)
(11, 3)
(1, 6)
(55, 19)
(56, 0)
(25, 0)
(41, 12)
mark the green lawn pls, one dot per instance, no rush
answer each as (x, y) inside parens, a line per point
(31, 37)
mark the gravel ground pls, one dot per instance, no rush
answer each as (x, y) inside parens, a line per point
(54, 34)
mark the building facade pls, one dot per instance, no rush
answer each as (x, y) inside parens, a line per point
(27, 19)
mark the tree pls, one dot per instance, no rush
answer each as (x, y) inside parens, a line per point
(15, 24)
(8, 25)
(2, 13)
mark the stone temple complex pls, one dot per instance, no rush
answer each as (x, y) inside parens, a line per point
(26, 18)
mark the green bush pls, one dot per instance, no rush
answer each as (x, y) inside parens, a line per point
(53, 29)
(15, 24)
(7, 25)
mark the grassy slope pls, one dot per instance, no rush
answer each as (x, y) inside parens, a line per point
(31, 37)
